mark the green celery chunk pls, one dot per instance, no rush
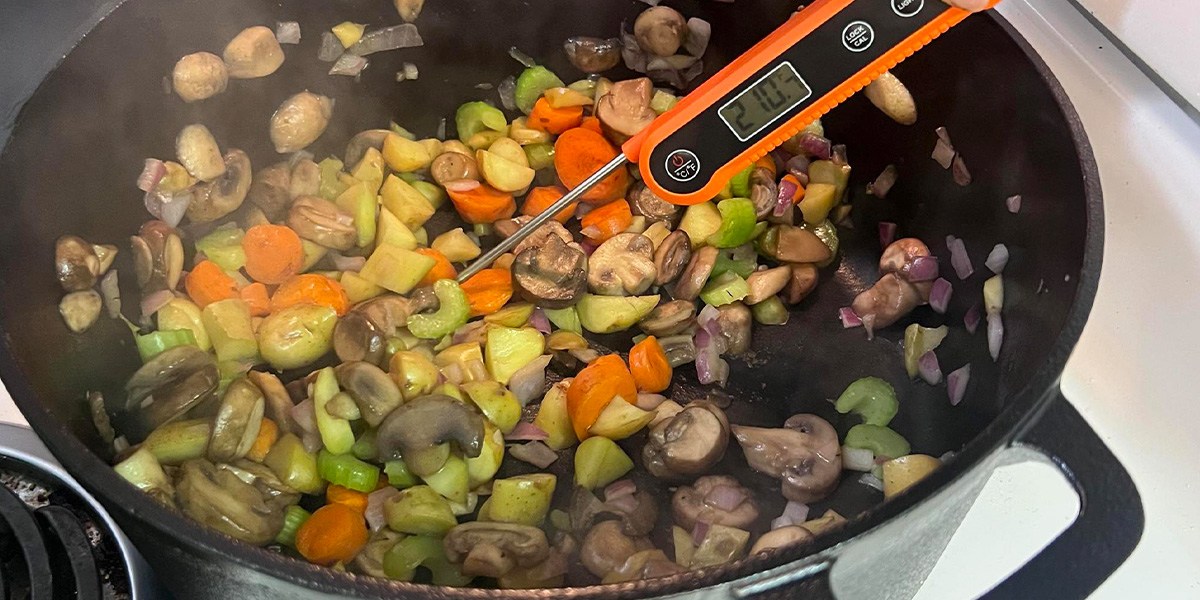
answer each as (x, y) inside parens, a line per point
(726, 289)
(451, 314)
(231, 330)
(540, 156)
(347, 471)
(530, 85)
(475, 117)
(336, 434)
(364, 447)
(179, 441)
(359, 202)
(737, 223)
(871, 398)
(564, 318)
(154, 343)
(293, 518)
(771, 311)
(402, 560)
(331, 185)
(878, 439)
(398, 474)
(739, 186)
(224, 247)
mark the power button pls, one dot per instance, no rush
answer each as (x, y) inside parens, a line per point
(683, 165)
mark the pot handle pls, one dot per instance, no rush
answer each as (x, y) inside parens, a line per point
(1110, 520)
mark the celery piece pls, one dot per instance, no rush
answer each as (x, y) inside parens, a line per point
(178, 441)
(610, 314)
(294, 465)
(398, 270)
(331, 185)
(419, 510)
(917, 341)
(359, 202)
(224, 247)
(402, 560)
(451, 480)
(154, 343)
(524, 499)
(143, 471)
(726, 289)
(496, 403)
(181, 313)
(451, 314)
(336, 434)
(513, 315)
(739, 185)
(293, 518)
(347, 471)
(871, 398)
(737, 223)
(365, 447)
(540, 156)
(600, 461)
(297, 336)
(530, 85)
(476, 117)
(743, 267)
(771, 311)
(509, 349)
(663, 101)
(564, 318)
(230, 328)
(434, 194)
(369, 170)
(483, 468)
(398, 474)
(878, 439)
(405, 202)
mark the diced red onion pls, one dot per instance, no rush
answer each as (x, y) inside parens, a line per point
(525, 60)
(348, 65)
(529, 381)
(939, 295)
(883, 183)
(539, 321)
(376, 500)
(868, 323)
(535, 453)
(305, 416)
(972, 318)
(287, 32)
(959, 168)
(508, 93)
(617, 489)
(838, 156)
(441, 130)
(816, 146)
(710, 367)
(1013, 203)
(929, 369)
(331, 48)
(388, 38)
(956, 384)
(707, 315)
(151, 303)
(849, 319)
(787, 192)
(699, 33)
(944, 154)
(798, 166)
(526, 432)
(857, 459)
(650, 401)
(700, 531)
(462, 185)
(152, 173)
(944, 135)
(997, 259)
(726, 497)
(588, 245)
(795, 512)
(110, 292)
(959, 258)
(995, 333)
(923, 268)
(470, 332)
(870, 480)
(887, 233)
(347, 263)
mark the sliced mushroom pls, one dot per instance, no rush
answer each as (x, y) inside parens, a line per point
(171, 384)
(199, 76)
(362, 334)
(643, 201)
(370, 560)
(735, 320)
(237, 421)
(80, 310)
(278, 402)
(764, 192)
(219, 499)
(554, 275)
(363, 141)
(805, 455)
(625, 110)
(198, 152)
(270, 190)
(888, 301)
(687, 444)
(692, 280)
(779, 538)
(299, 121)
(605, 548)
(669, 318)
(767, 282)
(647, 564)
(494, 549)
(622, 266)
(453, 166)
(223, 194)
(889, 95)
(788, 243)
(372, 390)
(593, 55)
(157, 257)
(542, 234)
(275, 493)
(305, 180)
(672, 257)
(803, 281)
(716, 500)
(899, 256)
(428, 422)
(660, 30)
(253, 53)
(321, 221)
(680, 350)
(75, 263)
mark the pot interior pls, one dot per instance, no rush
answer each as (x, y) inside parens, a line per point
(79, 144)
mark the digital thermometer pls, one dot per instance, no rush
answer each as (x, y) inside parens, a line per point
(820, 57)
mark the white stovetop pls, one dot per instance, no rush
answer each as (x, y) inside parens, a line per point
(1130, 375)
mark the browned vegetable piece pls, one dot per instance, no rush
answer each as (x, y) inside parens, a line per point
(734, 320)
(643, 201)
(788, 243)
(593, 55)
(372, 390)
(898, 257)
(672, 256)
(75, 263)
(687, 444)
(157, 257)
(779, 538)
(889, 95)
(764, 192)
(622, 266)
(219, 499)
(299, 121)
(253, 53)
(669, 318)
(425, 423)
(625, 111)
(767, 282)
(888, 300)
(363, 332)
(803, 281)
(703, 501)
(270, 190)
(542, 235)
(605, 548)
(494, 549)
(199, 76)
(693, 278)
(225, 193)
(236, 424)
(321, 221)
(80, 310)
(551, 276)
(805, 455)
(453, 166)
(660, 30)
(279, 404)
(506, 227)
(197, 151)
(171, 384)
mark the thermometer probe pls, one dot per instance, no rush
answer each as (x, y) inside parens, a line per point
(816, 60)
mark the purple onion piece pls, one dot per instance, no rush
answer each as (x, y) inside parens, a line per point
(883, 183)
(798, 165)
(539, 321)
(795, 512)
(726, 497)
(939, 295)
(849, 319)
(958, 167)
(787, 191)
(972, 318)
(151, 303)
(623, 487)
(839, 156)
(529, 382)
(152, 173)
(959, 258)
(650, 401)
(375, 502)
(923, 268)
(944, 135)
(887, 233)
(700, 531)
(347, 263)
(997, 259)
(944, 154)
(1013, 203)
(526, 432)
(816, 146)
(929, 369)
(535, 453)
(956, 384)
(508, 93)
(871, 481)
(526, 60)
(995, 334)
(710, 367)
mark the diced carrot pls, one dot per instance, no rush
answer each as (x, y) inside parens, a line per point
(767, 163)
(649, 366)
(578, 154)
(594, 387)
(488, 291)
(257, 299)
(540, 198)
(442, 269)
(207, 283)
(336, 494)
(268, 433)
(554, 120)
(311, 288)
(480, 203)
(273, 253)
(592, 124)
(334, 533)
(603, 222)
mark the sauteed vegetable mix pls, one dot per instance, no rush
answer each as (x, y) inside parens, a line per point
(315, 378)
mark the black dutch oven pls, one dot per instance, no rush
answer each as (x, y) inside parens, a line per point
(80, 139)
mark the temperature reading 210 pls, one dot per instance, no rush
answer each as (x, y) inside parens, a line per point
(765, 101)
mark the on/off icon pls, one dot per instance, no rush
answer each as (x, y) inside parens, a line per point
(683, 165)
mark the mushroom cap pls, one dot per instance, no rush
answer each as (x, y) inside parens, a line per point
(643, 201)
(693, 278)
(299, 121)
(593, 55)
(622, 266)
(888, 300)
(371, 388)
(75, 263)
(669, 318)
(625, 110)
(358, 145)
(660, 30)
(606, 547)
(694, 503)
(900, 254)
(270, 190)
(225, 193)
(672, 257)
(767, 282)
(427, 422)
(805, 455)
(778, 538)
(176, 380)
(493, 549)
(321, 221)
(551, 276)
(278, 402)
(254, 52)
(687, 444)
(199, 75)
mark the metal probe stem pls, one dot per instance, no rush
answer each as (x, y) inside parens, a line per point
(511, 241)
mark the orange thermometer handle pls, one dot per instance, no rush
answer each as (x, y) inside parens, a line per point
(815, 61)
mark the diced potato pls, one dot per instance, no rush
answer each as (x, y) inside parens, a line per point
(483, 139)
(395, 268)
(899, 474)
(403, 200)
(513, 315)
(610, 314)
(451, 480)
(483, 468)
(435, 194)
(230, 330)
(599, 461)
(509, 349)
(432, 145)
(496, 403)
(370, 170)
(181, 313)
(359, 289)
(404, 155)
(700, 221)
(620, 420)
(348, 33)
(456, 246)
(819, 199)
(657, 232)
(523, 134)
(524, 499)
(503, 174)
(392, 231)
(509, 150)
(553, 418)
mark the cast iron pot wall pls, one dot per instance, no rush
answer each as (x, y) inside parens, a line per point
(80, 141)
